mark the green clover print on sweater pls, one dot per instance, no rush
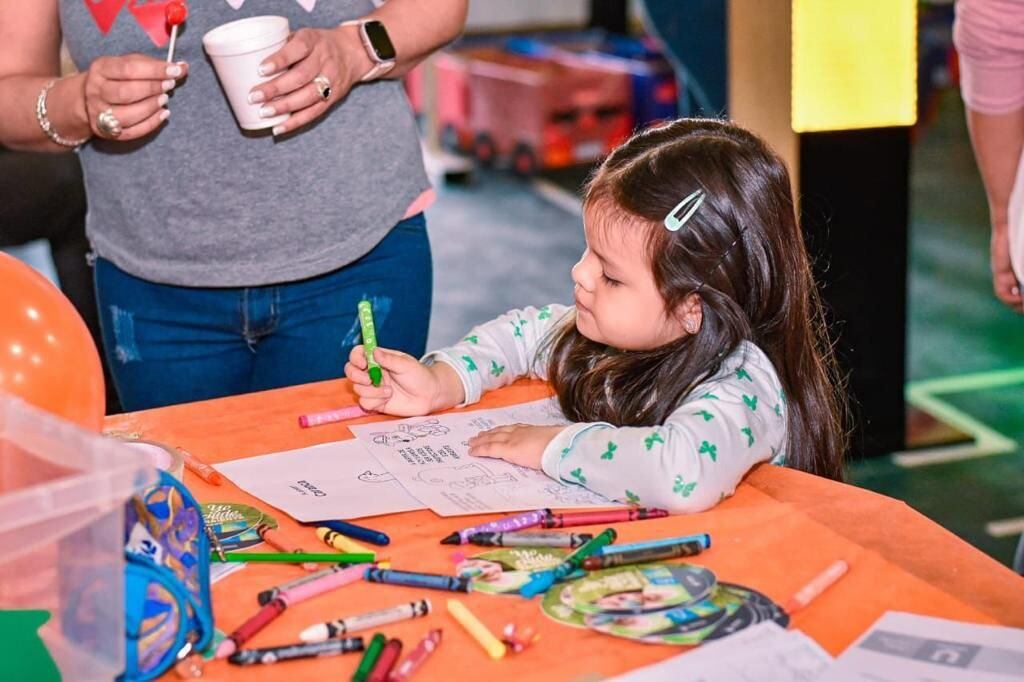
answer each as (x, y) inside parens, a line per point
(610, 452)
(632, 498)
(710, 396)
(470, 365)
(577, 473)
(710, 450)
(683, 489)
(472, 339)
(778, 409)
(652, 439)
(704, 413)
(750, 436)
(751, 402)
(743, 374)
(544, 313)
(517, 328)
(497, 369)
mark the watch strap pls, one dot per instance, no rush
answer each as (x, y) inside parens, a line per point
(379, 67)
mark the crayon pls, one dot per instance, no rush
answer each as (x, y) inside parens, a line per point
(274, 538)
(201, 468)
(703, 538)
(365, 309)
(331, 416)
(639, 556)
(507, 524)
(477, 630)
(386, 661)
(374, 537)
(267, 595)
(819, 584)
(369, 659)
(571, 540)
(340, 542)
(600, 517)
(301, 593)
(365, 621)
(541, 581)
(293, 558)
(291, 652)
(430, 581)
(417, 657)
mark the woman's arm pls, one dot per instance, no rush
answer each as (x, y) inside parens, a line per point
(29, 59)
(417, 28)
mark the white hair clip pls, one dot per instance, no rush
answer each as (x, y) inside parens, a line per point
(691, 203)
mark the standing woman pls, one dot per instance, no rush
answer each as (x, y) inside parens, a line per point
(989, 37)
(231, 261)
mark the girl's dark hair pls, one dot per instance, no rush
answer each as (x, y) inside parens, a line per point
(744, 254)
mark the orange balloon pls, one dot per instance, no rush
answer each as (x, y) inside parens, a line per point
(47, 356)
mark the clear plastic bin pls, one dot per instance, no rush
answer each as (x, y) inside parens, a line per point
(62, 495)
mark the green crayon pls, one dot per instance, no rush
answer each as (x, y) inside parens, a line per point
(369, 341)
(369, 658)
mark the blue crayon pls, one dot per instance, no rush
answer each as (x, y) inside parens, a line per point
(374, 537)
(703, 538)
(431, 581)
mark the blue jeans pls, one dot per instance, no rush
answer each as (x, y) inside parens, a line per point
(170, 344)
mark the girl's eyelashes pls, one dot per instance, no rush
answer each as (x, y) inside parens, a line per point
(609, 281)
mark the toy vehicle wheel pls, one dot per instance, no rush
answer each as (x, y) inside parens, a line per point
(450, 138)
(484, 149)
(524, 161)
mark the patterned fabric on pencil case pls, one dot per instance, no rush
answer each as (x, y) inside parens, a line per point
(168, 611)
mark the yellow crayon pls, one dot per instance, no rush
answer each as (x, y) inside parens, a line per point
(340, 542)
(494, 647)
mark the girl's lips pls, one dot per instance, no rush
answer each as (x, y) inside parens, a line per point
(580, 306)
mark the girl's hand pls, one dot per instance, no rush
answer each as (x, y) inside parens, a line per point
(336, 54)
(520, 444)
(407, 388)
(134, 87)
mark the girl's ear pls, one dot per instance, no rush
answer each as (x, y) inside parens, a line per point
(691, 314)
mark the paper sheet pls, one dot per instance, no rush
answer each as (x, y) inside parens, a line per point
(430, 457)
(330, 481)
(758, 653)
(905, 647)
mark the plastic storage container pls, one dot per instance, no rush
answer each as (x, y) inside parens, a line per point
(62, 496)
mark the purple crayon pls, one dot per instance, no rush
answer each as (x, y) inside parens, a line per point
(505, 525)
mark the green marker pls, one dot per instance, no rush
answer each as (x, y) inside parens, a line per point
(369, 341)
(370, 656)
(297, 557)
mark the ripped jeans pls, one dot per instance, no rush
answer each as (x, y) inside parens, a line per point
(170, 344)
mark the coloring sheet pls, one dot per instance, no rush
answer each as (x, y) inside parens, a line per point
(430, 457)
(339, 480)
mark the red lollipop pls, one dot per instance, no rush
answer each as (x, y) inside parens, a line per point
(176, 13)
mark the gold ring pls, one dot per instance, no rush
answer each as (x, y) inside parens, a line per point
(323, 86)
(108, 123)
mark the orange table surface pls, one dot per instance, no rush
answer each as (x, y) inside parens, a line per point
(780, 529)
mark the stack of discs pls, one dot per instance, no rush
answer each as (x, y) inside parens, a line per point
(677, 604)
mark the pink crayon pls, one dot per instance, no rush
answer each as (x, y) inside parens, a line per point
(506, 525)
(332, 416)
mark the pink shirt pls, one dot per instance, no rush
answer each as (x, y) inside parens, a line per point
(989, 36)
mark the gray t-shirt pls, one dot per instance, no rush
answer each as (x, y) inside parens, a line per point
(200, 203)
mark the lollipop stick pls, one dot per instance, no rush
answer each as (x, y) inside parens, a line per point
(170, 48)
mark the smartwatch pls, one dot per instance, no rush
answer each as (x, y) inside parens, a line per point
(378, 46)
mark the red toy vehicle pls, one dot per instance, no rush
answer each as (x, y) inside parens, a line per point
(533, 113)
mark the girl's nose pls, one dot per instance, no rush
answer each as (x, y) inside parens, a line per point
(581, 276)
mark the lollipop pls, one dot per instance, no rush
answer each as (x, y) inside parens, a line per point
(176, 12)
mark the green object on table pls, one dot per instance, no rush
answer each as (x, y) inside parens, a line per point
(369, 658)
(24, 655)
(365, 309)
(297, 557)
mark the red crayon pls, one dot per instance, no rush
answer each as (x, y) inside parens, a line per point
(601, 517)
(250, 627)
(388, 657)
(331, 416)
(417, 657)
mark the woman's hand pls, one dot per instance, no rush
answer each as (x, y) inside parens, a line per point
(1004, 281)
(336, 54)
(134, 88)
(408, 388)
(520, 444)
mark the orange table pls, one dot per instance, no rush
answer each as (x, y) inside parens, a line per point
(779, 530)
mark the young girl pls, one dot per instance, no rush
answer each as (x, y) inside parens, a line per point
(696, 347)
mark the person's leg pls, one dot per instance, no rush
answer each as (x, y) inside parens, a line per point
(316, 318)
(168, 344)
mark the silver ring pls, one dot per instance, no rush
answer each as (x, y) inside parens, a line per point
(323, 86)
(108, 123)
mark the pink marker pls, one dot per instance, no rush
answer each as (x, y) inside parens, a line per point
(332, 416)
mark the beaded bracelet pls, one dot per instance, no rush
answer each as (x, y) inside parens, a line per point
(44, 121)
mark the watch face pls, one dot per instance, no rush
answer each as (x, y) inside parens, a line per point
(378, 36)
